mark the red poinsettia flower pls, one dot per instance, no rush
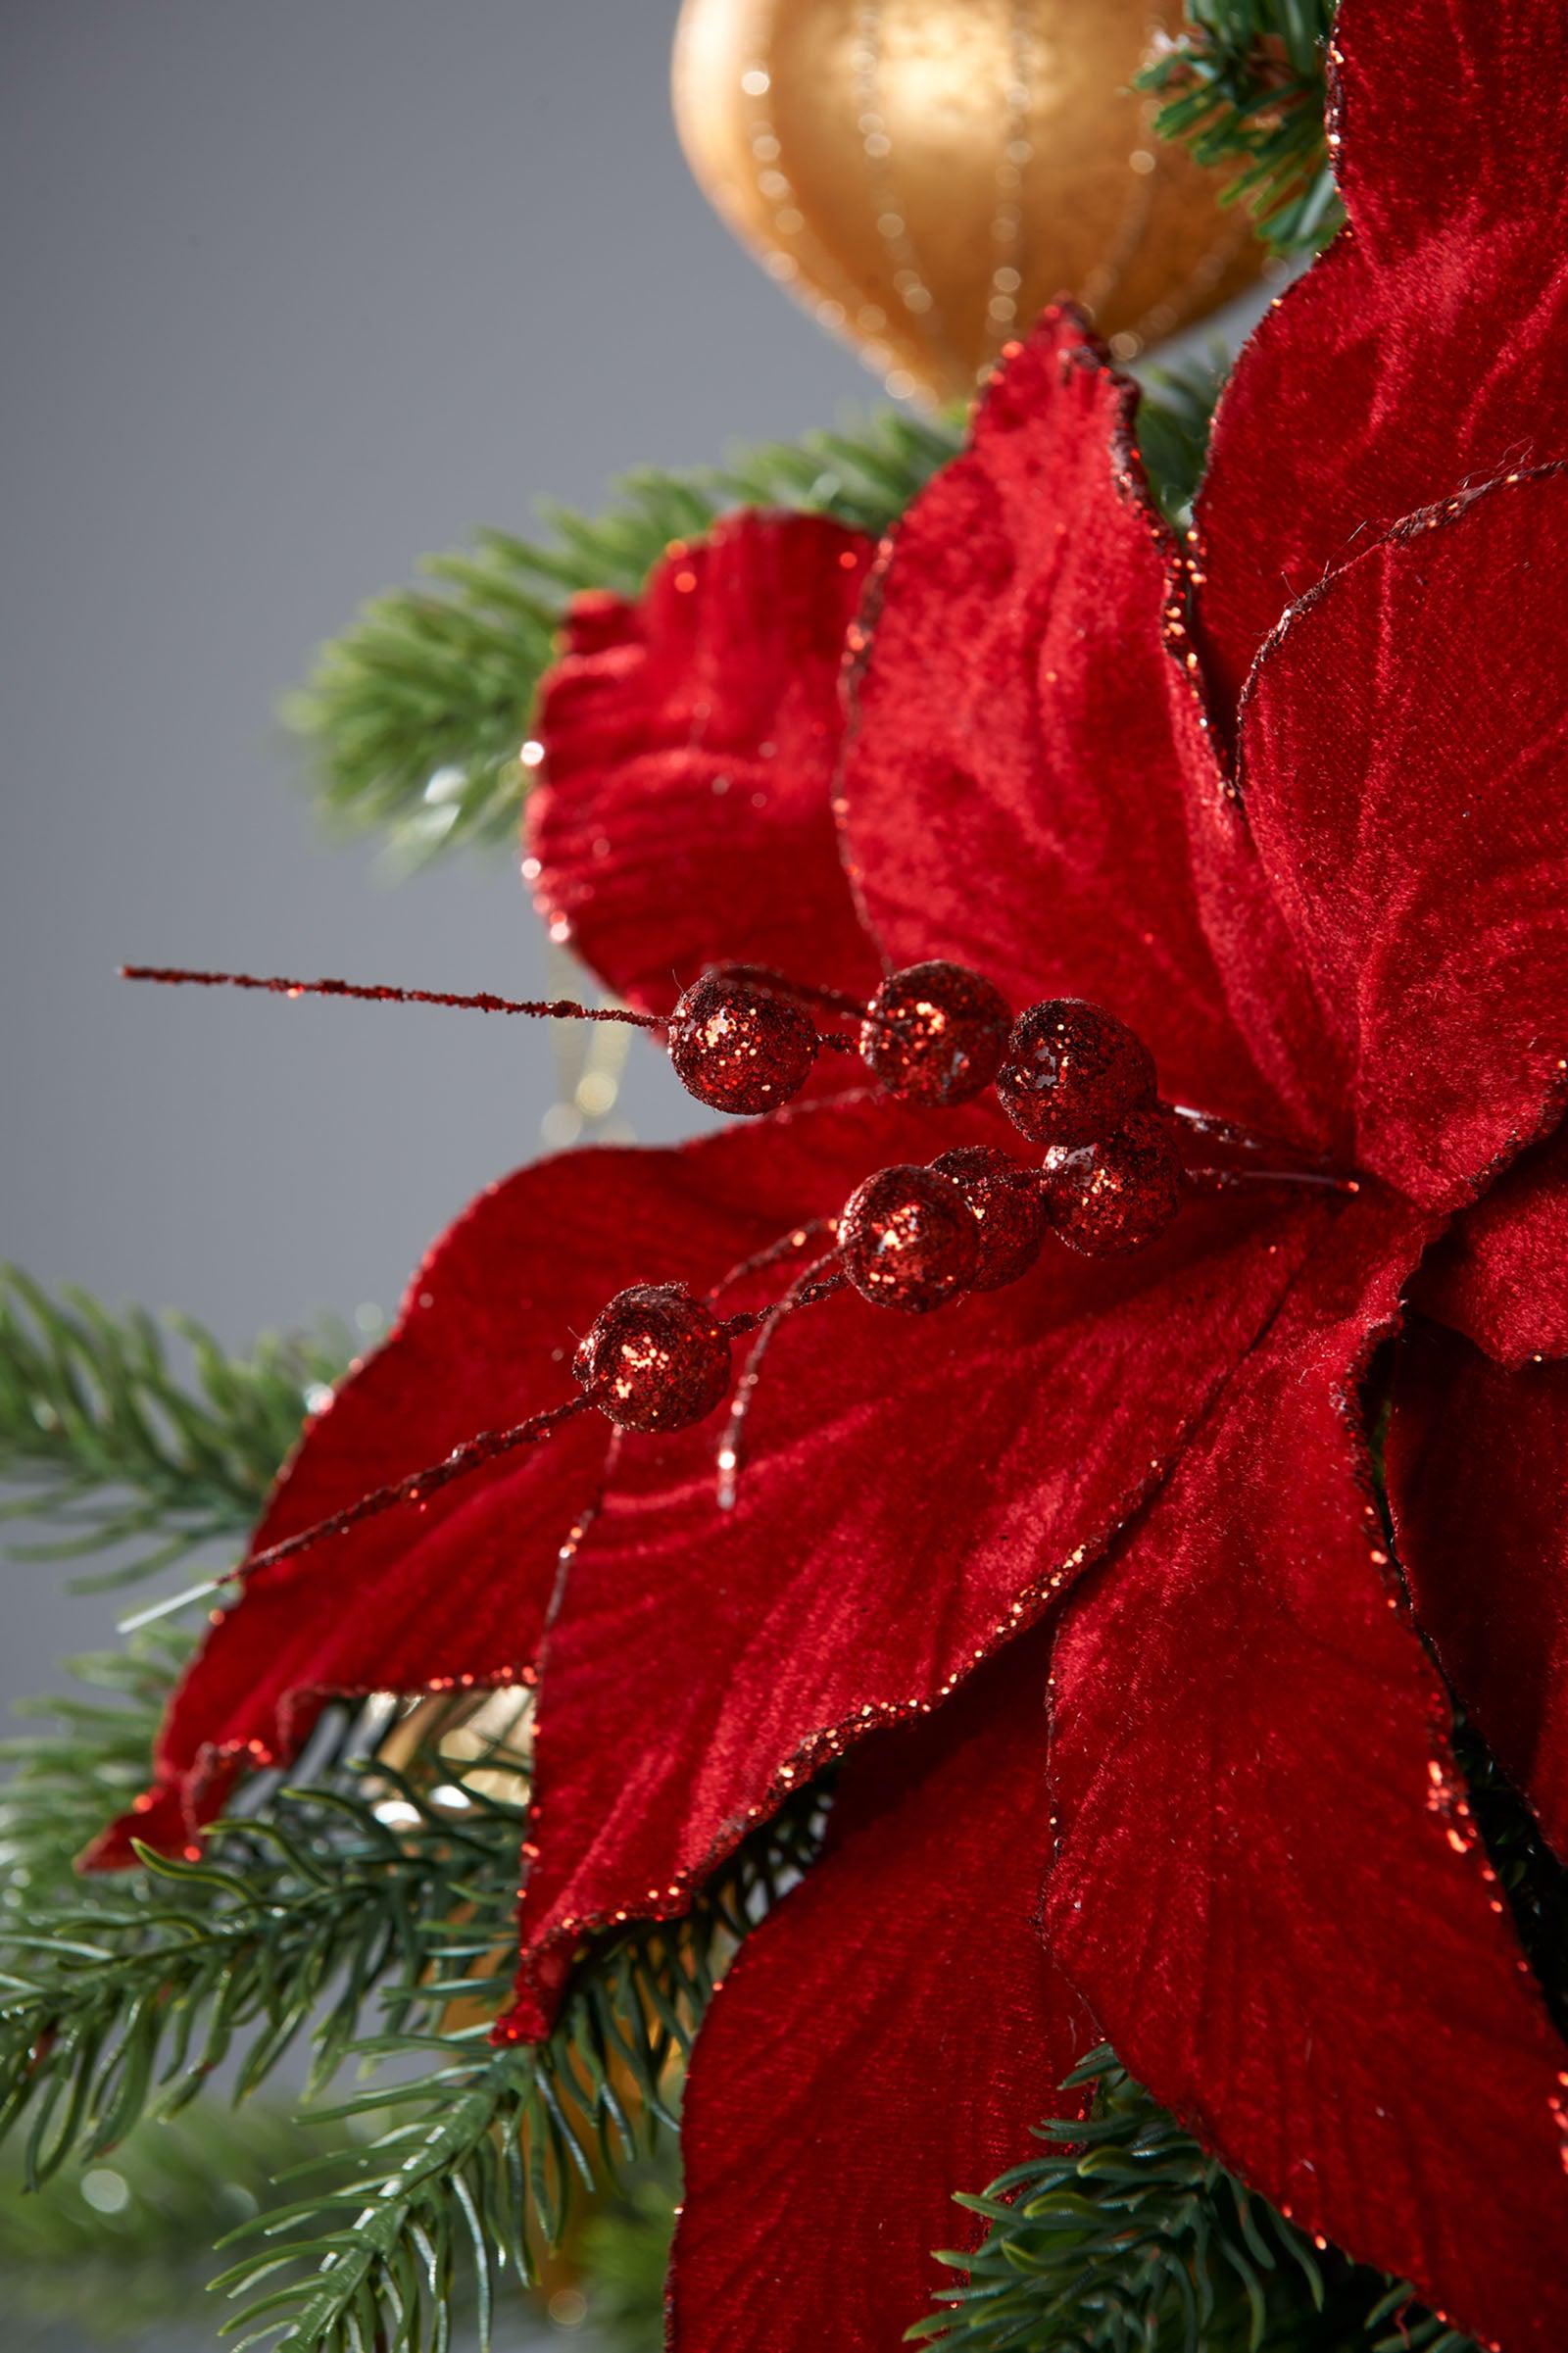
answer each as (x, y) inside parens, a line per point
(1158, 1751)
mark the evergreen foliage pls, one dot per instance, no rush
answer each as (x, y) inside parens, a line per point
(1243, 87)
(1174, 418)
(1124, 2235)
(68, 1782)
(102, 1436)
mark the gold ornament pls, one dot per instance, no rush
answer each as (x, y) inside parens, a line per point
(927, 174)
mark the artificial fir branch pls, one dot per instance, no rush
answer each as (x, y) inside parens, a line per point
(1243, 87)
(68, 1780)
(1174, 418)
(374, 1888)
(483, 2155)
(101, 1436)
(1124, 2234)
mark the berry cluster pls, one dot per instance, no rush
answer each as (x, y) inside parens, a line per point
(1070, 1075)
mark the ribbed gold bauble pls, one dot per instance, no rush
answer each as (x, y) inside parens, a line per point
(926, 174)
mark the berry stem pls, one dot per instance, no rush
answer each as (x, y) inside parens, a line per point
(1229, 1180)
(802, 1293)
(472, 1455)
(556, 1009)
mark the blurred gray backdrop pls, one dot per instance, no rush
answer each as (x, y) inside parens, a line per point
(294, 292)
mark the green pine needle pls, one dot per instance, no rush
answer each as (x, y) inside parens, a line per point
(1243, 87)
(66, 1782)
(102, 1438)
(1125, 2237)
(369, 1915)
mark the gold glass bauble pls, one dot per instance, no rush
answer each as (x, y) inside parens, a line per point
(927, 174)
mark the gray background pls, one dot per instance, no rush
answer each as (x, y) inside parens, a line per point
(292, 293)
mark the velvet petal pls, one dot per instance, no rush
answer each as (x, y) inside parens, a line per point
(912, 1491)
(690, 741)
(458, 1586)
(1500, 1273)
(1402, 747)
(1269, 1886)
(1478, 1480)
(1424, 351)
(821, 2153)
(1018, 777)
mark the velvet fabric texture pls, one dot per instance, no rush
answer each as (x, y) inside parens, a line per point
(1291, 804)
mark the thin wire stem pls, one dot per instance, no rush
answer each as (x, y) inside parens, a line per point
(558, 1008)
(759, 1260)
(1229, 1180)
(1227, 1131)
(539, 1008)
(804, 1291)
(473, 1454)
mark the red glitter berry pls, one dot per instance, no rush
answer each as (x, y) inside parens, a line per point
(1005, 1201)
(738, 1046)
(655, 1359)
(908, 1238)
(934, 1033)
(1118, 1194)
(1073, 1072)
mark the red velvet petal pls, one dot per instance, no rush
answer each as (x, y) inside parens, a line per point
(690, 741)
(912, 1491)
(1269, 1888)
(1401, 762)
(1424, 351)
(1478, 1480)
(1500, 1273)
(1024, 748)
(889, 2036)
(457, 1588)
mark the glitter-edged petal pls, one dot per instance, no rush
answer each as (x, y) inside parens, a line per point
(821, 2150)
(1423, 353)
(911, 1491)
(690, 742)
(1269, 1886)
(1403, 748)
(1478, 1480)
(1026, 758)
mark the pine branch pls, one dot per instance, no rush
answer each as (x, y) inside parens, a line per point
(130, 1989)
(484, 2157)
(373, 1896)
(69, 1780)
(412, 722)
(107, 1442)
(1125, 2234)
(1243, 87)
(1174, 418)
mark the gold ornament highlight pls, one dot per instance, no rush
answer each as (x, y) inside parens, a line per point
(925, 176)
